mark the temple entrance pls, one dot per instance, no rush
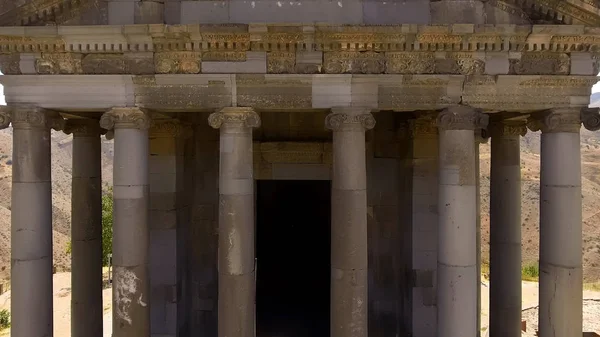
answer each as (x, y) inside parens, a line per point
(293, 253)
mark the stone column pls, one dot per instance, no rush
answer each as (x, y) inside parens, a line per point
(86, 229)
(166, 218)
(131, 286)
(505, 229)
(349, 221)
(237, 284)
(561, 276)
(31, 224)
(457, 254)
(424, 237)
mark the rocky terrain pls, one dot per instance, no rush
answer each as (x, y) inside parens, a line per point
(61, 176)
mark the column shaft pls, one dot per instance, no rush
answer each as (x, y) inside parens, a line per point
(561, 277)
(86, 230)
(457, 254)
(349, 309)
(31, 224)
(236, 222)
(131, 286)
(505, 230)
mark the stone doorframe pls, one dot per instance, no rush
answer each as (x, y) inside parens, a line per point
(292, 160)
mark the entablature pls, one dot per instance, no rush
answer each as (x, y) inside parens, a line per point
(459, 49)
(207, 92)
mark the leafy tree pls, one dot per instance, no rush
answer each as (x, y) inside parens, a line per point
(4, 319)
(107, 225)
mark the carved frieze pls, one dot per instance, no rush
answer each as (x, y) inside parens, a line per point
(281, 62)
(10, 64)
(58, 63)
(459, 64)
(104, 64)
(410, 62)
(424, 125)
(353, 63)
(177, 62)
(257, 91)
(541, 63)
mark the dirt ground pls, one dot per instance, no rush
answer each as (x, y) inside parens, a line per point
(62, 310)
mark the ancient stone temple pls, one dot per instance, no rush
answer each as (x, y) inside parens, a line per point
(298, 168)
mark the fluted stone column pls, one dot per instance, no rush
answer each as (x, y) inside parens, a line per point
(237, 288)
(131, 285)
(31, 224)
(505, 229)
(349, 221)
(457, 254)
(561, 276)
(86, 229)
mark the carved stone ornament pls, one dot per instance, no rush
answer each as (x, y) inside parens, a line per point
(424, 125)
(83, 128)
(234, 117)
(24, 117)
(591, 118)
(125, 118)
(557, 120)
(169, 128)
(5, 117)
(349, 117)
(462, 117)
(508, 128)
(482, 136)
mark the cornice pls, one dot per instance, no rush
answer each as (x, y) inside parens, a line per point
(334, 49)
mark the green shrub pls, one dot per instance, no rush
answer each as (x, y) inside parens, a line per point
(4, 319)
(531, 272)
(107, 226)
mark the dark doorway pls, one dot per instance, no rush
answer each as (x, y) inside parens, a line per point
(293, 258)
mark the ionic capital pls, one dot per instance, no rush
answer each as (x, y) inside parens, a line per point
(28, 117)
(349, 117)
(557, 120)
(460, 117)
(82, 127)
(424, 126)
(170, 128)
(508, 128)
(126, 118)
(234, 117)
(482, 136)
(591, 118)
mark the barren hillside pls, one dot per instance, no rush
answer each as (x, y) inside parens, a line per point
(530, 170)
